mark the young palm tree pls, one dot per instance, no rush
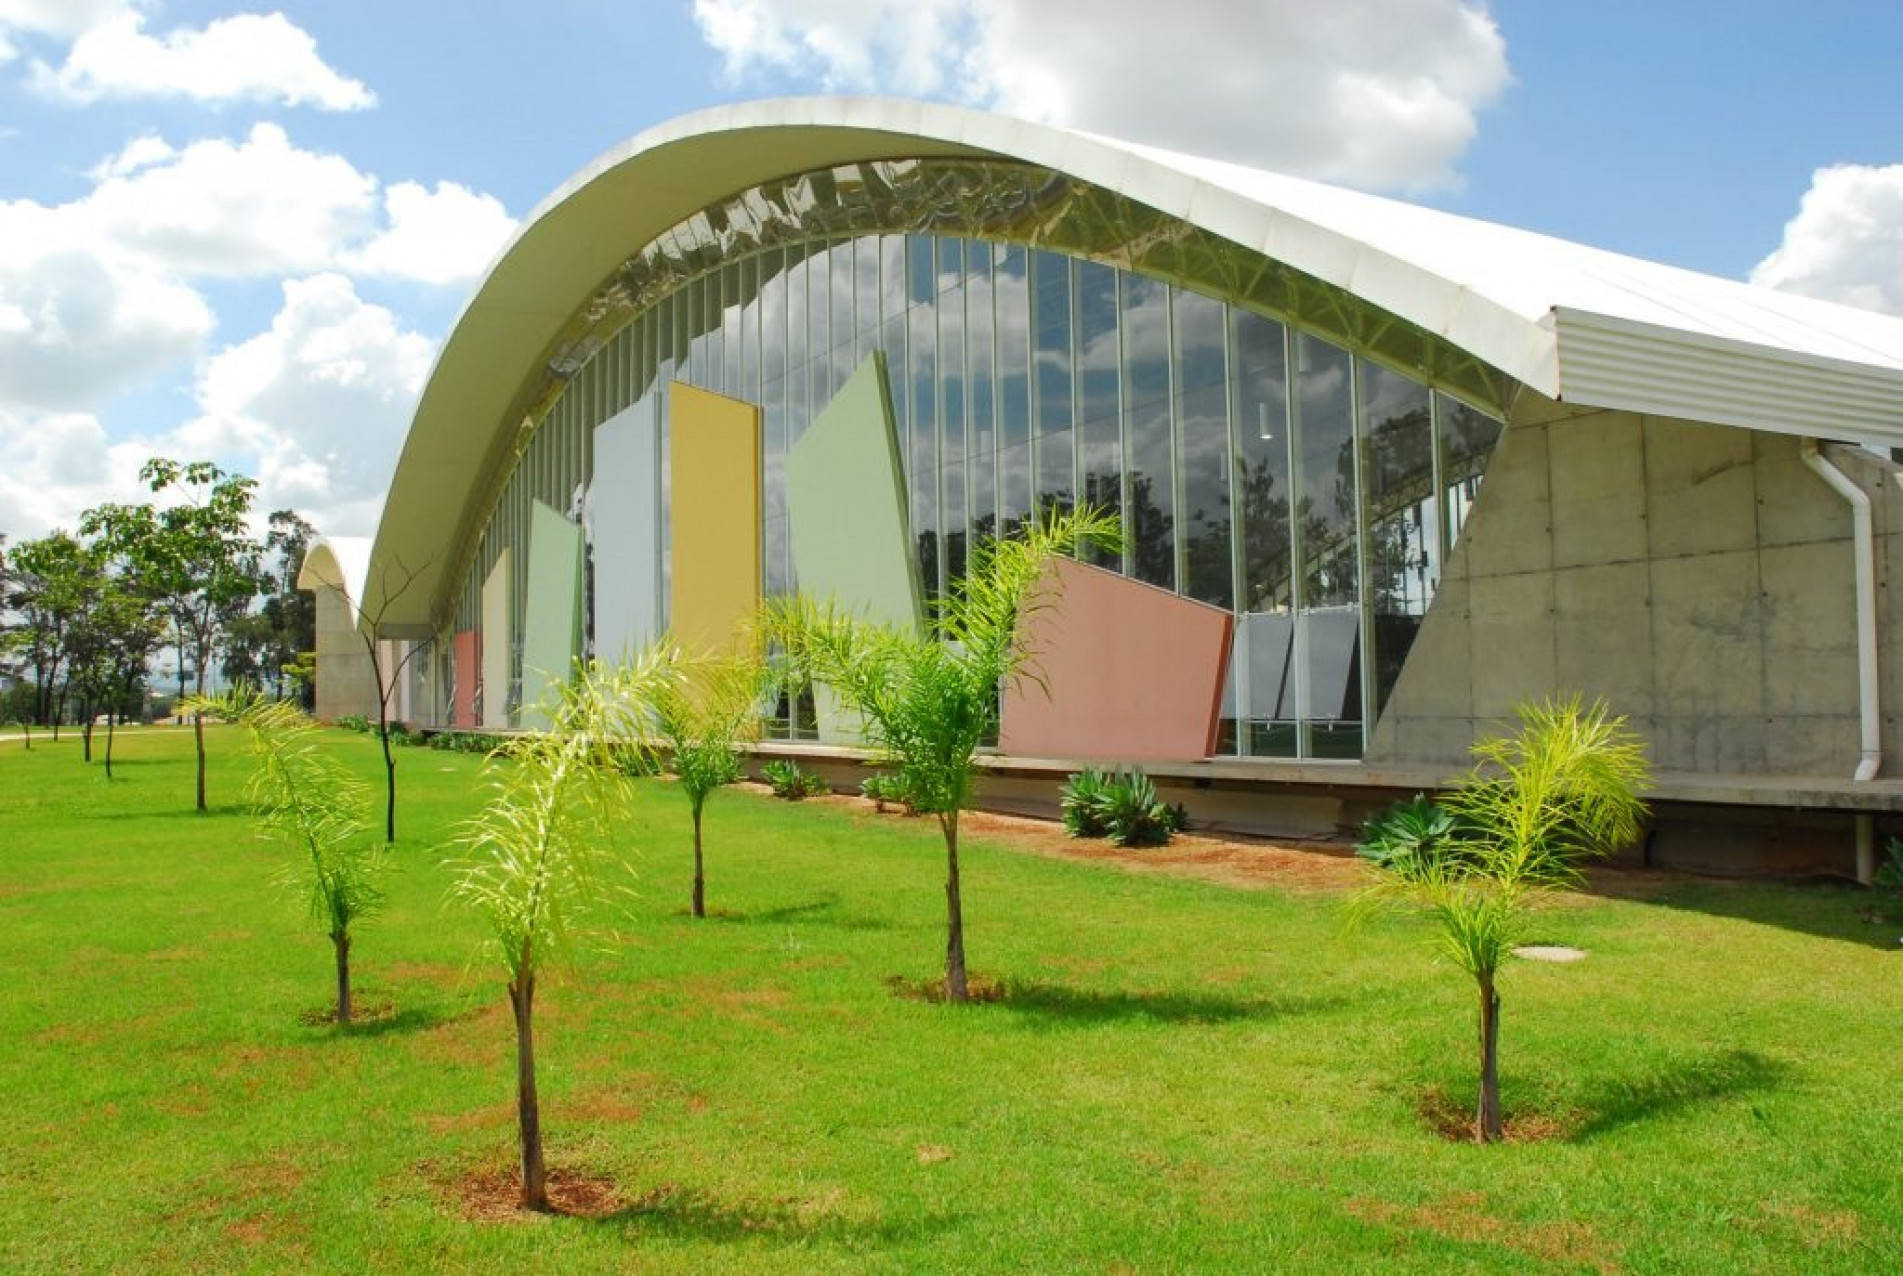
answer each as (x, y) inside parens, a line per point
(536, 852)
(1562, 789)
(930, 700)
(701, 713)
(305, 797)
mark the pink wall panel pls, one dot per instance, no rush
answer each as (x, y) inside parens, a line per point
(1133, 673)
(468, 671)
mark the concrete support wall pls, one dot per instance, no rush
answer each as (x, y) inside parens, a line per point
(1697, 577)
(346, 683)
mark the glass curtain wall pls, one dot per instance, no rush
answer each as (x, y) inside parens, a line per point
(1259, 466)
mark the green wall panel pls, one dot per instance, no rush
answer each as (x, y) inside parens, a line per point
(551, 632)
(847, 518)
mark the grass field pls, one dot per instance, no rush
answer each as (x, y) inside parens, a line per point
(1183, 1077)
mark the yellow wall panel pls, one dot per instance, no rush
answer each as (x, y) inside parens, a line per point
(714, 515)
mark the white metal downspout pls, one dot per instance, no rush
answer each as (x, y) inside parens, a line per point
(1863, 542)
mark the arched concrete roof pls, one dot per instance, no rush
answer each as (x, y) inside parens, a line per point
(340, 564)
(1570, 322)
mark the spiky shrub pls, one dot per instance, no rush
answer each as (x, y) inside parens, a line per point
(703, 709)
(1131, 814)
(1560, 790)
(535, 859)
(1080, 802)
(1416, 829)
(928, 700)
(303, 796)
(784, 777)
(884, 789)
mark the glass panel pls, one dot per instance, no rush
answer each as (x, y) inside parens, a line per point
(1050, 319)
(1202, 413)
(1100, 419)
(1403, 516)
(922, 394)
(1467, 439)
(1328, 642)
(733, 359)
(1011, 290)
(1150, 503)
(980, 398)
(921, 276)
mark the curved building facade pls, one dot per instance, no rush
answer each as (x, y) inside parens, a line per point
(1383, 472)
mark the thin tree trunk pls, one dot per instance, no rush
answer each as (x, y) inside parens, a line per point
(528, 1111)
(86, 739)
(700, 878)
(111, 721)
(1487, 1127)
(198, 735)
(955, 989)
(340, 940)
(389, 777)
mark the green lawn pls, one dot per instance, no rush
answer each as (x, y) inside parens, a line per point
(1183, 1078)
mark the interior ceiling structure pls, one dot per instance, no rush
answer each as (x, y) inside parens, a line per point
(1573, 323)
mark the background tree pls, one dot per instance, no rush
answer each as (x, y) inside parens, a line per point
(304, 797)
(1562, 789)
(535, 855)
(263, 646)
(45, 596)
(929, 700)
(196, 555)
(702, 709)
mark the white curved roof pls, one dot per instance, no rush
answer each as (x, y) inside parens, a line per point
(1574, 323)
(340, 564)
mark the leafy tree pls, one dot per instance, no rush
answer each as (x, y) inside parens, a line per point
(1562, 789)
(110, 643)
(46, 593)
(536, 852)
(304, 797)
(263, 646)
(702, 710)
(196, 555)
(930, 700)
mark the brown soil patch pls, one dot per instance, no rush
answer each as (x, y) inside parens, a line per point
(478, 1037)
(933, 1153)
(363, 1013)
(1462, 1217)
(495, 1116)
(979, 989)
(426, 972)
(495, 1195)
(1454, 1121)
(1814, 1227)
(1232, 861)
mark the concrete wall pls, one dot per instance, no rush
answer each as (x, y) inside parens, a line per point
(1697, 577)
(346, 683)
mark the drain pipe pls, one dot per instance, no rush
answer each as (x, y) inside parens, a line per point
(1863, 540)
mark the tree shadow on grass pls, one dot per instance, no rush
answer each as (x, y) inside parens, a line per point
(1043, 1005)
(185, 811)
(374, 1020)
(1827, 907)
(692, 1215)
(825, 911)
(1616, 1101)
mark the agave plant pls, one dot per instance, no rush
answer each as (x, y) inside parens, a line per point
(1081, 802)
(1408, 835)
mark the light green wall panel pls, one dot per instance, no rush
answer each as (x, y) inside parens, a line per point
(498, 636)
(847, 517)
(846, 508)
(551, 632)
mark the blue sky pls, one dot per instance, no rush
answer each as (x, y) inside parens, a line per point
(242, 232)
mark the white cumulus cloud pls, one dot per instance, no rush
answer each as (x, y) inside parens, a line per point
(1846, 242)
(317, 405)
(1375, 95)
(245, 57)
(441, 236)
